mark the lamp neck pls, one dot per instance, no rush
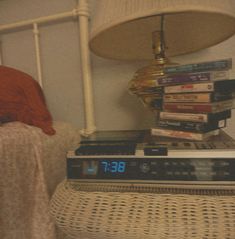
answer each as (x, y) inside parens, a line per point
(158, 41)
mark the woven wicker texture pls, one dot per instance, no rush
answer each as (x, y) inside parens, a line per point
(123, 215)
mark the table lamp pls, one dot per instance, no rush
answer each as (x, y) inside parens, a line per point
(157, 29)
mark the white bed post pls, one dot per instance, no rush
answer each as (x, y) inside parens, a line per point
(86, 67)
(37, 49)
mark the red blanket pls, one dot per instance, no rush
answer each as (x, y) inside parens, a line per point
(22, 99)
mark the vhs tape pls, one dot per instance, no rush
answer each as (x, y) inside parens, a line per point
(191, 126)
(197, 97)
(199, 107)
(206, 118)
(219, 86)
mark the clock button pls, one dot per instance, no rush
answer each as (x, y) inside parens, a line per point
(144, 167)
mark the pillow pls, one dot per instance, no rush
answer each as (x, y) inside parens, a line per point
(22, 99)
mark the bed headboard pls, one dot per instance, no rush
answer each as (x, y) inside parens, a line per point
(81, 14)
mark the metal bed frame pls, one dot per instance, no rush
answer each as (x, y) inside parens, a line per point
(82, 14)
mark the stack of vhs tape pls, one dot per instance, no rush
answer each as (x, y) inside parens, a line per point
(197, 100)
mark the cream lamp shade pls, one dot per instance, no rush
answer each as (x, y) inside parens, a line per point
(122, 29)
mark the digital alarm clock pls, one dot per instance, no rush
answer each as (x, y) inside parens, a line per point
(147, 162)
(151, 169)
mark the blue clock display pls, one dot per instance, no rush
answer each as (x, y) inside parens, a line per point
(113, 166)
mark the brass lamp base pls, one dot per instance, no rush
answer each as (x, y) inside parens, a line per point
(146, 76)
(144, 83)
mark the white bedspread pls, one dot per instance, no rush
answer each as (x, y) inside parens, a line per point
(31, 165)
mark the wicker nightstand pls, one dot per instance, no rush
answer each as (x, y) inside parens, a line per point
(84, 213)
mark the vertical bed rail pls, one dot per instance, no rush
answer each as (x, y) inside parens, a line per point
(86, 68)
(37, 50)
(82, 11)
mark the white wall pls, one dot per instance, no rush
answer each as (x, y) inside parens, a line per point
(115, 108)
